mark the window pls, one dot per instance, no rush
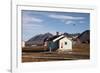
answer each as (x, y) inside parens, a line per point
(65, 43)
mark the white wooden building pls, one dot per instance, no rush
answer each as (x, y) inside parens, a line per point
(64, 43)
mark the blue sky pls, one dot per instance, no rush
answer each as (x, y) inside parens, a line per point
(40, 22)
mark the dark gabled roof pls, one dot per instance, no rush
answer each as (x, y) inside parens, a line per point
(56, 36)
(52, 38)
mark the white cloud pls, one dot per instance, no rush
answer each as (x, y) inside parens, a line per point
(27, 19)
(31, 19)
(55, 16)
(67, 19)
(69, 22)
(31, 22)
(36, 26)
(36, 19)
(81, 21)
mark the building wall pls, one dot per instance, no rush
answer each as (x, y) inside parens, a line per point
(53, 45)
(65, 44)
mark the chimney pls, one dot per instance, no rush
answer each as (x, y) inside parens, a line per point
(57, 33)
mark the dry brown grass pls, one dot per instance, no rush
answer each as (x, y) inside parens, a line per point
(81, 51)
(34, 48)
(82, 48)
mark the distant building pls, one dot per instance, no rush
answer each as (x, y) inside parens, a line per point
(23, 44)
